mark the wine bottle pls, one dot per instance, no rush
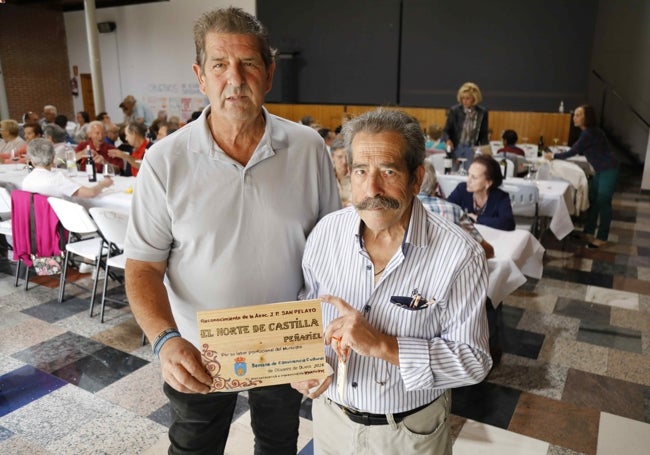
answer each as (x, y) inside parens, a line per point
(91, 172)
(448, 162)
(540, 147)
(504, 167)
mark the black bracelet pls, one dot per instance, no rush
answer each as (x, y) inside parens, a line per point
(162, 338)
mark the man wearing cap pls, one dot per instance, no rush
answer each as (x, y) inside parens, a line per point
(136, 112)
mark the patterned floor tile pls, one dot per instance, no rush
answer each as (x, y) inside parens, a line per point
(58, 351)
(24, 385)
(139, 392)
(583, 311)
(620, 435)
(575, 354)
(610, 336)
(560, 423)
(629, 366)
(485, 402)
(605, 394)
(529, 375)
(478, 438)
(611, 297)
(99, 369)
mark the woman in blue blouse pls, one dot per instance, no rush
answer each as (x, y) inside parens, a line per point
(593, 144)
(481, 197)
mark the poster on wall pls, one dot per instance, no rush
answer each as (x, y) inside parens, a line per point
(176, 100)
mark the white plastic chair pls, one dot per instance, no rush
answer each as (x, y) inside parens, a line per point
(524, 198)
(75, 218)
(438, 161)
(510, 166)
(112, 226)
(495, 146)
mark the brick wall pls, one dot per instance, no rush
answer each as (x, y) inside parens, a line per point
(34, 56)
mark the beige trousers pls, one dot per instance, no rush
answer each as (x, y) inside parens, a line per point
(425, 432)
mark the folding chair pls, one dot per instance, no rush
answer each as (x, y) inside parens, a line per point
(112, 227)
(524, 198)
(438, 161)
(35, 230)
(84, 241)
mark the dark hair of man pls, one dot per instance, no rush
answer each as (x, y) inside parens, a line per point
(35, 126)
(137, 128)
(492, 170)
(510, 137)
(386, 120)
(26, 116)
(232, 21)
(590, 115)
(101, 116)
(54, 132)
(324, 132)
(61, 120)
(85, 116)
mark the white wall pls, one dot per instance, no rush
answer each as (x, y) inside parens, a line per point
(149, 55)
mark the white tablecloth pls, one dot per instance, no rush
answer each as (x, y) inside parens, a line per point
(555, 200)
(115, 197)
(517, 254)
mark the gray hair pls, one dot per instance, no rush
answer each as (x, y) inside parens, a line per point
(49, 107)
(40, 152)
(430, 180)
(97, 124)
(384, 120)
(232, 21)
(54, 132)
(338, 143)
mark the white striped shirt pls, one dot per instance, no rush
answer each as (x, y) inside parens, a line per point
(440, 346)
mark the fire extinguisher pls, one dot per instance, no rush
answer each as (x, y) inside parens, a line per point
(74, 86)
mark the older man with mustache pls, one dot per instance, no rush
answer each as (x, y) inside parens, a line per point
(404, 302)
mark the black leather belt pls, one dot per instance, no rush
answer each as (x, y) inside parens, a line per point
(366, 418)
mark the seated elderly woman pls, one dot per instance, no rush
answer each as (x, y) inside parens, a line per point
(448, 210)
(481, 197)
(44, 181)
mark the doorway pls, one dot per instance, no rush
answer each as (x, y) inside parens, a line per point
(87, 94)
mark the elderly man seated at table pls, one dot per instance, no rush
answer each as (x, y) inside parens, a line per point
(481, 197)
(53, 183)
(509, 143)
(98, 148)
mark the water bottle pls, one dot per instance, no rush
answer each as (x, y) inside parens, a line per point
(561, 108)
(70, 160)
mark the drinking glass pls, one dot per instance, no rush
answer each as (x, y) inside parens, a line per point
(15, 158)
(461, 166)
(109, 171)
(529, 166)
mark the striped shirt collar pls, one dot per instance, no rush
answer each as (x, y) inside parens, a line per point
(416, 229)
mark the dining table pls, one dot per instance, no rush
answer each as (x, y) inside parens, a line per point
(556, 199)
(517, 255)
(118, 196)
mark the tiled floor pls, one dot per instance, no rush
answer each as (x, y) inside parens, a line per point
(574, 379)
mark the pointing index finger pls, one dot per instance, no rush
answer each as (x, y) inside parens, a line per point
(341, 306)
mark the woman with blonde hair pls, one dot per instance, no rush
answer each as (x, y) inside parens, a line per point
(9, 130)
(467, 123)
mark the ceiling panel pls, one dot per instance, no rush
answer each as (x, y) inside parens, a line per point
(76, 5)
